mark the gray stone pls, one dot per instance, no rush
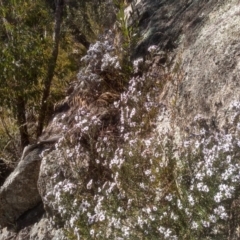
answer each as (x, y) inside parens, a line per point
(202, 40)
(19, 192)
(211, 68)
(42, 230)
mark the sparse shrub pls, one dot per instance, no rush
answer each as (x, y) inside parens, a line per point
(9, 139)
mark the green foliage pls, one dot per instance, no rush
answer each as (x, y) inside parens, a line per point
(90, 17)
(128, 36)
(26, 32)
(22, 60)
(9, 140)
(126, 30)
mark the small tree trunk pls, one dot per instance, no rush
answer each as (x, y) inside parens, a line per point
(22, 122)
(51, 66)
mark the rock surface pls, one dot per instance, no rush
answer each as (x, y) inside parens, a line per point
(42, 230)
(211, 67)
(19, 192)
(202, 39)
